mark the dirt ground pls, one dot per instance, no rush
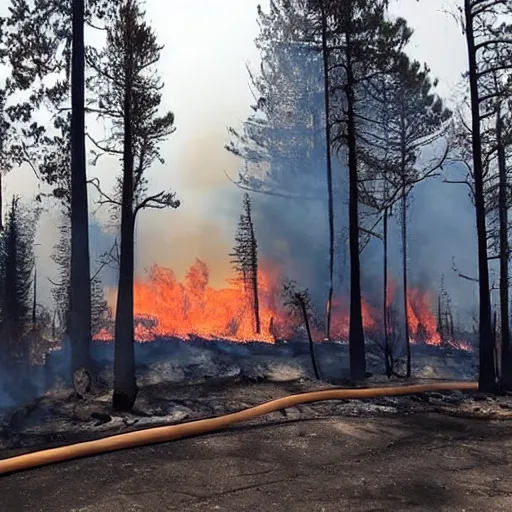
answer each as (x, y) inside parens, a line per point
(405, 462)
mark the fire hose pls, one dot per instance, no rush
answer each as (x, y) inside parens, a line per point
(194, 428)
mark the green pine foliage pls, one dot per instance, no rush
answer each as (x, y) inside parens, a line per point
(16, 276)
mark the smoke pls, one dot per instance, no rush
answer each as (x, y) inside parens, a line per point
(443, 232)
(204, 164)
(174, 239)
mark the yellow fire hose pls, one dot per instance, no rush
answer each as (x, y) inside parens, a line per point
(172, 432)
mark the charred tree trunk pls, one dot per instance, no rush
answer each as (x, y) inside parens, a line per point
(54, 326)
(34, 300)
(387, 348)
(356, 332)
(245, 260)
(80, 300)
(494, 327)
(254, 276)
(304, 311)
(440, 324)
(487, 374)
(330, 198)
(2, 139)
(1, 198)
(405, 285)
(506, 367)
(403, 157)
(256, 303)
(125, 387)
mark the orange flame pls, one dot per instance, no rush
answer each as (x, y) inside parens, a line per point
(166, 307)
(420, 317)
(422, 322)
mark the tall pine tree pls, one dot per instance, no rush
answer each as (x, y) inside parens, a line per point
(129, 97)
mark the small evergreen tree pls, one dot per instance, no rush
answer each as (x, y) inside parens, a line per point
(16, 276)
(99, 306)
(43, 42)
(245, 257)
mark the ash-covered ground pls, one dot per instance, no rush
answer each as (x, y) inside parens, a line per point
(185, 380)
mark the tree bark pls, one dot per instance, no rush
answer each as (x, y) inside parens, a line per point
(34, 300)
(487, 375)
(1, 201)
(405, 285)
(254, 283)
(80, 293)
(330, 198)
(125, 387)
(506, 367)
(387, 348)
(310, 339)
(403, 159)
(356, 332)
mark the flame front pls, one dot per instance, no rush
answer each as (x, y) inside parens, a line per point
(165, 307)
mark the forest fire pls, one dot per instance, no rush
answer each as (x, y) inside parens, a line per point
(166, 307)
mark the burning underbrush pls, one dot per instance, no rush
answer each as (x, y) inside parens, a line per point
(167, 308)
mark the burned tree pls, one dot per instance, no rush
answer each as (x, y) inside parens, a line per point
(415, 121)
(286, 144)
(478, 39)
(489, 43)
(328, 159)
(129, 95)
(79, 323)
(300, 307)
(368, 45)
(360, 42)
(245, 258)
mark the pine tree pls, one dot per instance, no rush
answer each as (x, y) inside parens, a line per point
(129, 96)
(16, 276)
(281, 143)
(46, 53)
(328, 158)
(368, 45)
(99, 306)
(61, 287)
(360, 42)
(487, 374)
(413, 119)
(488, 35)
(245, 258)
(286, 144)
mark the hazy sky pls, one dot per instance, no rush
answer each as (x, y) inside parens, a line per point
(207, 44)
